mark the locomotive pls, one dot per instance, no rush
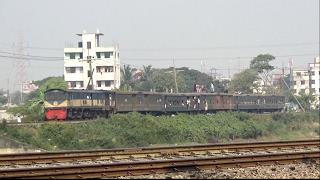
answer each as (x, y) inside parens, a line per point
(68, 104)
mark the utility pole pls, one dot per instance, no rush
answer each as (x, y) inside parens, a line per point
(175, 77)
(8, 95)
(89, 60)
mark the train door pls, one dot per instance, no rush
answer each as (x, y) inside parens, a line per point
(134, 102)
(108, 100)
(140, 102)
(70, 99)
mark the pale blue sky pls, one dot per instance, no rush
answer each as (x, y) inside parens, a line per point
(220, 33)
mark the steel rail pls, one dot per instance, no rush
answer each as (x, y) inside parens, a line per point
(160, 166)
(150, 152)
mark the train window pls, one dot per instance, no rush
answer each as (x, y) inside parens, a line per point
(50, 96)
(88, 96)
(94, 96)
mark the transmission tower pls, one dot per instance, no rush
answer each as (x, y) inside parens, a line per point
(21, 74)
(239, 65)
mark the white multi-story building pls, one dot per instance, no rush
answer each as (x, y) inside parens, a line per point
(300, 80)
(89, 58)
(314, 82)
(307, 79)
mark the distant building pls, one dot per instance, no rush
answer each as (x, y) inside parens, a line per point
(299, 80)
(307, 79)
(314, 74)
(89, 58)
(28, 87)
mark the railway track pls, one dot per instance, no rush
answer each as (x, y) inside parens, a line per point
(149, 160)
(108, 170)
(151, 152)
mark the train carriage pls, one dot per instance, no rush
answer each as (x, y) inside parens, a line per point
(143, 102)
(195, 102)
(258, 102)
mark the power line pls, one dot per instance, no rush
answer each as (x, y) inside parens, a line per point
(46, 58)
(193, 49)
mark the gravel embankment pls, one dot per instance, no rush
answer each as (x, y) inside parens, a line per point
(293, 171)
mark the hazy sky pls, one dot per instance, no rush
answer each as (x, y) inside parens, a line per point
(222, 34)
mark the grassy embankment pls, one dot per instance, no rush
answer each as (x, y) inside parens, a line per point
(136, 130)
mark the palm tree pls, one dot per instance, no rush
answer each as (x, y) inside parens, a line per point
(126, 76)
(147, 72)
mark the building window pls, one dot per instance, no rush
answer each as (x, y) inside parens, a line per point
(107, 83)
(81, 83)
(108, 54)
(73, 84)
(72, 55)
(102, 69)
(99, 83)
(313, 81)
(70, 69)
(98, 54)
(313, 73)
(74, 69)
(298, 73)
(89, 45)
(302, 82)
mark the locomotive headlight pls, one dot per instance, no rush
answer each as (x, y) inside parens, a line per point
(55, 103)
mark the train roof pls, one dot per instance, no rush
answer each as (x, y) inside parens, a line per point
(76, 90)
(262, 95)
(162, 93)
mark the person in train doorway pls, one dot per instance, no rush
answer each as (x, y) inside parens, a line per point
(198, 102)
(194, 102)
(165, 103)
(188, 104)
(110, 100)
(205, 106)
(195, 87)
(212, 87)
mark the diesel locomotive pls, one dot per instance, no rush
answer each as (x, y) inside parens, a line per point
(68, 104)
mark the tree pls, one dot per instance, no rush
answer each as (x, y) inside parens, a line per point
(162, 81)
(33, 107)
(304, 100)
(262, 66)
(192, 76)
(146, 73)
(244, 81)
(221, 86)
(53, 82)
(126, 77)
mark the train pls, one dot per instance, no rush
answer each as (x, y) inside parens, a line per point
(76, 104)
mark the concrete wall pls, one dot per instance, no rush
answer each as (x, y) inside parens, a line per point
(8, 145)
